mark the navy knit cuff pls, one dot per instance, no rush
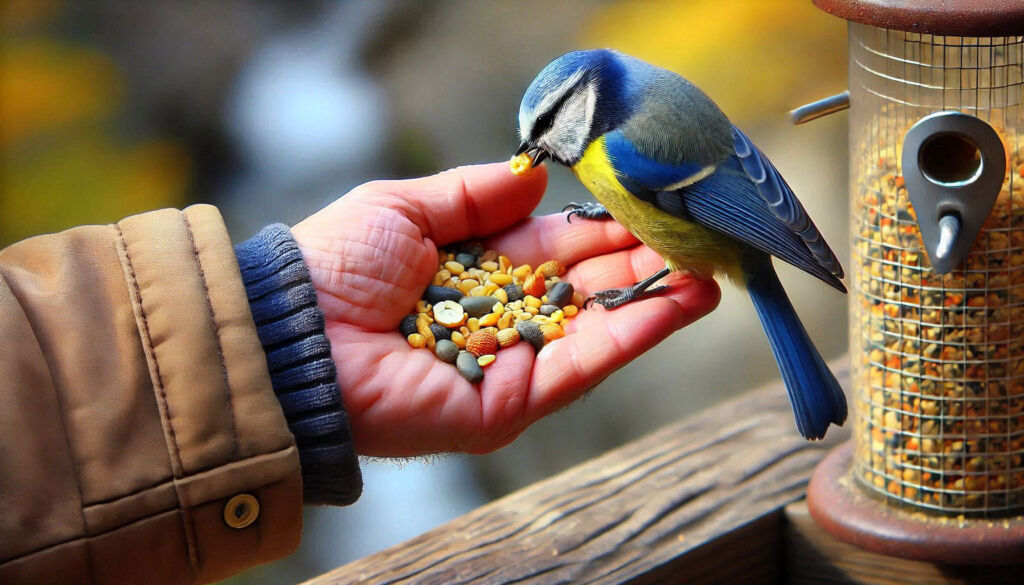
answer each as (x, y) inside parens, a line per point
(291, 328)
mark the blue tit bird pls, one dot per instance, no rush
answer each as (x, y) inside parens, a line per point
(665, 162)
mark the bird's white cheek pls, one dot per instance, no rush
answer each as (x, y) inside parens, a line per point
(572, 125)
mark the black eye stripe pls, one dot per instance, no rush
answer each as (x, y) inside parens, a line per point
(545, 120)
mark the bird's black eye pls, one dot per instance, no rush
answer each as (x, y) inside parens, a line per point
(545, 120)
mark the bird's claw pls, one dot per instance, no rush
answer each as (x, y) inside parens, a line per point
(616, 297)
(586, 210)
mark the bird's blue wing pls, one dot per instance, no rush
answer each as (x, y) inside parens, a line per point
(726, 200)
(729, 202)
(782, 201)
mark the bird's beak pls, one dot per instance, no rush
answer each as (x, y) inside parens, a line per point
(527, 157)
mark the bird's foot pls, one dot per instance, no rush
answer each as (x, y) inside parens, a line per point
(616, 297)
(586, 210)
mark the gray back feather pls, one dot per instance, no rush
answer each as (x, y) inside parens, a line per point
(677, 123)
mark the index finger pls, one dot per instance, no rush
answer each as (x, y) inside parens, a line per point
(463, 203)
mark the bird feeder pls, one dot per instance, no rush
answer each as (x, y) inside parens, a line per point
(936, 467)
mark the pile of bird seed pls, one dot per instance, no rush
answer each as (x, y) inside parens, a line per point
(940, 367)
(480, 302)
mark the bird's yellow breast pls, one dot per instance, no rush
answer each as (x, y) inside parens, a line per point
(685, 245)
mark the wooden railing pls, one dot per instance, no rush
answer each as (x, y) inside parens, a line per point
(716, 499)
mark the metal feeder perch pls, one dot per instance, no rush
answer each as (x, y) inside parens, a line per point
(936, 468)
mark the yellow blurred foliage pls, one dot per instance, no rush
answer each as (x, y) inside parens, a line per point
(756, 59)
(85, 179)
(46, 86)
(64, 160)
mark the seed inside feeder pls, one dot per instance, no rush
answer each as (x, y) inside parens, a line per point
(940, 378)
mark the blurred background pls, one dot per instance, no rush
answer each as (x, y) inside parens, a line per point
(270, 110)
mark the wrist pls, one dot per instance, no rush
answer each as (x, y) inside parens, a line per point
(290, 326)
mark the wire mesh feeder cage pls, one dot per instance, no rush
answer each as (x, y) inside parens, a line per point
(939, 372)
(937, 283)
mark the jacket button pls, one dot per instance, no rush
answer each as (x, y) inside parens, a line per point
(241, 511)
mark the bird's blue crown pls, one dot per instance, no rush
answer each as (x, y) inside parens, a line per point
(603, 67)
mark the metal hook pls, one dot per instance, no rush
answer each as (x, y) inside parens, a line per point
(822, 107)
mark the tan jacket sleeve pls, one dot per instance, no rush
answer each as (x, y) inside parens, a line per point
(135, 406)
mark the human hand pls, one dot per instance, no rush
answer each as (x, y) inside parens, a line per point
(372, 253)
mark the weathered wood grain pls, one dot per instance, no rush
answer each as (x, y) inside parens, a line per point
(814, 557)
(697, 502)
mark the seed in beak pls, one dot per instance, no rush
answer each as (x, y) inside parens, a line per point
(521, 163)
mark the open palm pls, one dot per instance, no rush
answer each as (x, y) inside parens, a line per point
(371, 254)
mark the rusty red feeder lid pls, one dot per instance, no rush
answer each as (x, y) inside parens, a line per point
(967, 18)
(854, 516)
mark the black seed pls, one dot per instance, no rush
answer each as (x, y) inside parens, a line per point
(436, 294)
(408, 325)
(531, 332)
(440, 331)
(514, 292)
(473, 248)
(547, 310)
(560, 294)
(467, 260)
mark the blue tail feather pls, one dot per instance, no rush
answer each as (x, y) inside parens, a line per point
(815, 394)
